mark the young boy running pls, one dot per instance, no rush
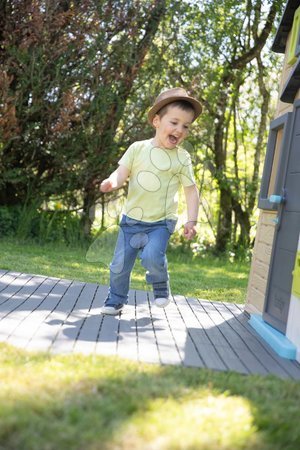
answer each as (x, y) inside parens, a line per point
(156, 168)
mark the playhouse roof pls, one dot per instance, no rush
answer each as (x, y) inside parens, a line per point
(285, 26)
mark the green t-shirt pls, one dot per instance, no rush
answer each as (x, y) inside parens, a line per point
(155, 177)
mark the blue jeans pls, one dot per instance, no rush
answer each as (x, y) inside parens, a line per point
(150, 240)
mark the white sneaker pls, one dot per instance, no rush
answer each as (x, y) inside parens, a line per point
(112, 310)
(162, 302)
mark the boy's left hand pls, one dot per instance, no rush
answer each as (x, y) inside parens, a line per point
(190, 230)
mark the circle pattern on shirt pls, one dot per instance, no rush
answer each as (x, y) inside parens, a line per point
(148, 181)
(160, 159)
(137, 212)
(184, 158)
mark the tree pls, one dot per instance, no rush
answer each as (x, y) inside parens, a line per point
(218, 52)
(67, 70)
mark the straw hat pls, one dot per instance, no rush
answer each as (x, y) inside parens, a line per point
(170, 96)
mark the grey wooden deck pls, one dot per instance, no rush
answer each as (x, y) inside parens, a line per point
(63, 316)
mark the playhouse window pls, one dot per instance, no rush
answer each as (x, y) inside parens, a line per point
(276, 157)
(294, 48)
(273, 173)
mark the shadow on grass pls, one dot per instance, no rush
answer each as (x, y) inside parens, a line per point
(98, 403)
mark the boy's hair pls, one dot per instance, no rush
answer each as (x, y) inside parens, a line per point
(182, 104)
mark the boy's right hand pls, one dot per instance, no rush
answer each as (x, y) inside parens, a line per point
(106, 185)
(115, 180)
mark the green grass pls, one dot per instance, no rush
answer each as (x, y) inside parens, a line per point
(209, 278)
(94, 403)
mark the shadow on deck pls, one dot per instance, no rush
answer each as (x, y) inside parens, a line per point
(63, 316)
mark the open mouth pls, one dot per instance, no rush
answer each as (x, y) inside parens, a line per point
(173, 139)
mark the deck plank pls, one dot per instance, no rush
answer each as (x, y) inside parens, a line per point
(148, 350)
(107, 338)
(168, 350)
(127, 337)
(183, 336)
(59, 319)
(88, 330)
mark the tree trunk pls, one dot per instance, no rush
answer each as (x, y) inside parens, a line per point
(225, 206)
(224, 221)
(89, 200)
(102, 212)
(243, 219)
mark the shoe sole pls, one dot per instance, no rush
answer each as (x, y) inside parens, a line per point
(164, 305)
(111, 312)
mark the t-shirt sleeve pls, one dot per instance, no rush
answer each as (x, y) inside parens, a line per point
(127, 159)
(186, 175)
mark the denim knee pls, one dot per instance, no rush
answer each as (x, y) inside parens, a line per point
(153, 260)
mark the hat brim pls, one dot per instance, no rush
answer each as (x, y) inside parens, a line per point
(159, 105)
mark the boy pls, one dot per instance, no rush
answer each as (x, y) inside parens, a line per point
(155, 168)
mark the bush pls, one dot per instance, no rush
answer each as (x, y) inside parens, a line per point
(198, 247)
(9, 220)
(57, 226)
(40, 225)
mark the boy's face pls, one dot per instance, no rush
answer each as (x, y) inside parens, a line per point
(173, 127)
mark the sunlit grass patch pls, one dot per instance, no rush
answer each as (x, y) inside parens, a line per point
(223, 294)
(206, 420)
(210, 279)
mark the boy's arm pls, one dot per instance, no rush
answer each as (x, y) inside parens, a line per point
(115, 180)
(192, 203)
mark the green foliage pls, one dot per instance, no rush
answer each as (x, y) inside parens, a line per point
(9, 219)
(30, 223)
(65, 78)
(57, 226)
